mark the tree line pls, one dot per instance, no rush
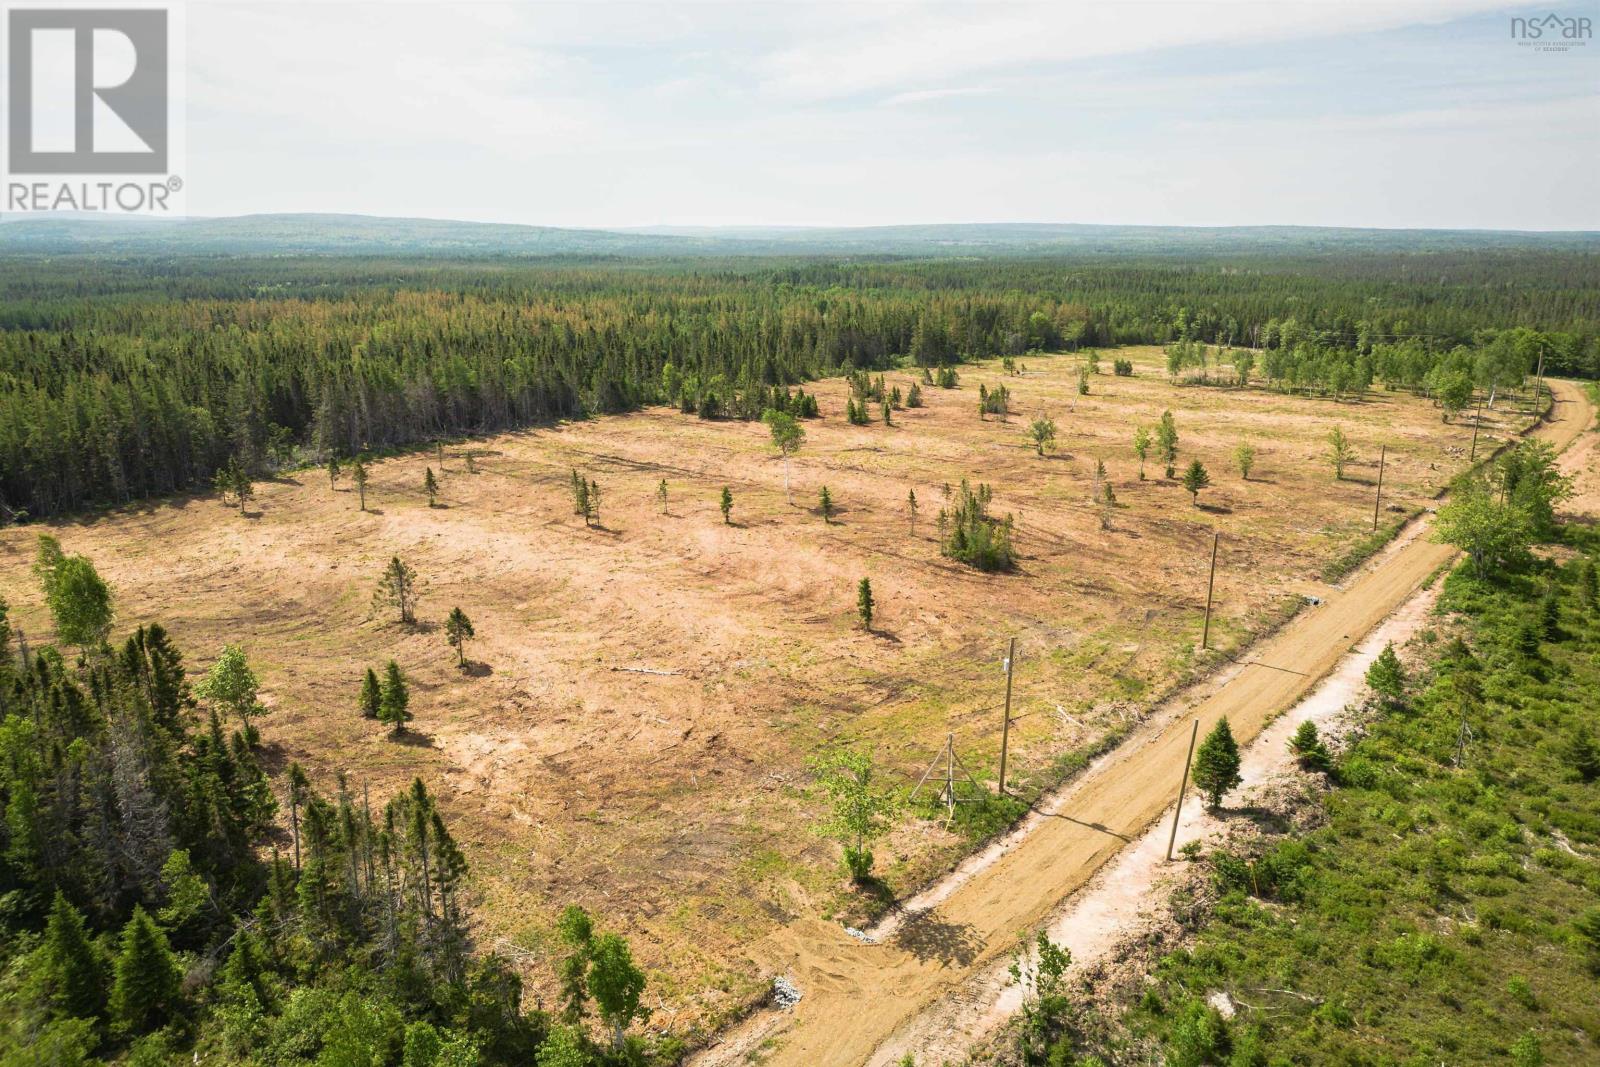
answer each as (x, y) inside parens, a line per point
(124, 380)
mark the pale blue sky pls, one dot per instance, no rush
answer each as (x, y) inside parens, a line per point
(1318, 112)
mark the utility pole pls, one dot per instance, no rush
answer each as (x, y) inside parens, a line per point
(1383, 452)
(1005, 724)
(1476, 419)
(1211, 585)
(1182, 788)
(1538, 387)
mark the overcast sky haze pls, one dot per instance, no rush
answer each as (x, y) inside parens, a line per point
(1317, 112)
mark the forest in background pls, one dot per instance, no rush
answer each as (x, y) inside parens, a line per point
(125, 378)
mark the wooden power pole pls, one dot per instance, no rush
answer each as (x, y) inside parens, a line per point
(1211, 585)
(1183, 788)
(1005, 723)
(1377, 499)
(1476, 420)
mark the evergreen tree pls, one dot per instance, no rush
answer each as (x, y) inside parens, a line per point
(74, 977)
(911, 509)
(1244, 457)
(1581, 753)
(1195, 479)
(1386, 676)
(661, 495)
(580, 496)
(593, 499)
(457, 630)
(864, 603)
(333, 470)
(1308, 748)
(1550, 615)
(371, 700)
(358, 474)
(430, 485)
(1042, 432)
(145, 991)
(727, 505)
(1589, 586)
(1340, 454)
(394, 702)
(1216, 764)
(825, 504)
(397, 590)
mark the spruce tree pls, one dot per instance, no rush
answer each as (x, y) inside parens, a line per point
(148, 980)
(727, 505)
(1308, 748)
(594, 503)
(1589, 585)
(911, 508)
(371, 700)
(1386, 676)
(825, 504)
(1195, 479)
(864, 603)
(430, 485)
(1216, 764)
(394, 704)
(73, 974)
(457, 630)
(333, 471)
(661, 495)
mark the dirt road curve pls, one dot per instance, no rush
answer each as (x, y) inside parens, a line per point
(856, 996)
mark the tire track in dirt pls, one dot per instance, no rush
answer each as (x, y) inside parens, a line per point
(858, 996)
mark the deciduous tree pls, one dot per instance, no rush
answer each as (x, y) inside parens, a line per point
(788, 435)
(861, 810)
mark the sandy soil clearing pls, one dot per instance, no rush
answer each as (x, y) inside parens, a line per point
(645, 693)
(858, 997)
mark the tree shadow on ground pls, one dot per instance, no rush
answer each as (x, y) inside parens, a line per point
(1215, 509)
(928, 937)
(474, 669)
(410, 738)
(1272, 822)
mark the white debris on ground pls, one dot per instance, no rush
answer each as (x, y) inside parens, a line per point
(1223, 1003)
(784, 992)
(861, 935)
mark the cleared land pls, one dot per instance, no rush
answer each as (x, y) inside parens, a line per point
(672, 802)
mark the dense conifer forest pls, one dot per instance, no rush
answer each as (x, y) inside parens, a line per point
(127, 377)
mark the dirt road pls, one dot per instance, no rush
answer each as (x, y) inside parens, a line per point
(857, 996)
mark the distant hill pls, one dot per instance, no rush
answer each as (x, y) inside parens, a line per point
(316, 234)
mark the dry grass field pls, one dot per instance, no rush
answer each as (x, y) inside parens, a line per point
(646, 694)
